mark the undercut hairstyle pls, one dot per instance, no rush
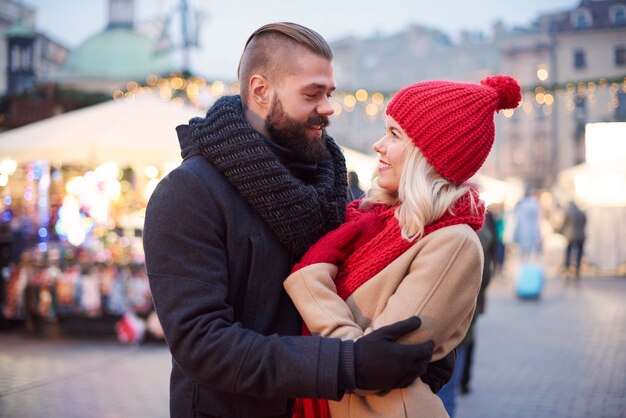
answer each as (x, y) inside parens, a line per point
(268, 50)
(423, 195)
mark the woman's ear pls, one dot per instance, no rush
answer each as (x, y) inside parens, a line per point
(260, 91)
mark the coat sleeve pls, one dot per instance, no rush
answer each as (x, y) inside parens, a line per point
(186, 260)
(312, 290)
(441, 288)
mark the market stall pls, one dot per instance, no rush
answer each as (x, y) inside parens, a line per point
(74, 188)
(599, 187)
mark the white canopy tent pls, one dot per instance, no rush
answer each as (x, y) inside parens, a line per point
(137, 130)
(599, 187)
(506, 192)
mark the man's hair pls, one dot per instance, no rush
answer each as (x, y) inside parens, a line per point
(266, 51)
(424, 195)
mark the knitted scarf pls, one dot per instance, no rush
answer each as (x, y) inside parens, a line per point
(387, 245)
(372, 257)
(298, 212)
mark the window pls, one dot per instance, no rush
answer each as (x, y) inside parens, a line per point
(617, 14)
(540, 116)
(518, 157)
(620, 55)
(553, 27)
(581, 18)
(26, 61)
(16, 58)
(580, 61)
(540, 148)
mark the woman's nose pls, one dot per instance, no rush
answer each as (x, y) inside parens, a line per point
(378, 146)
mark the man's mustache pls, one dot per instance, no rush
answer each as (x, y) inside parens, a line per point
(320, 120)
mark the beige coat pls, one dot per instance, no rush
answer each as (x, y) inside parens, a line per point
(437, 279)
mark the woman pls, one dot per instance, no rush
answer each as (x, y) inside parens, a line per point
(409, 246)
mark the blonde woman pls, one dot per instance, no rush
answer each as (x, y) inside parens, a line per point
(409, 246)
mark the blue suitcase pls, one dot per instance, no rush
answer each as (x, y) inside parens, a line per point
(530, 281)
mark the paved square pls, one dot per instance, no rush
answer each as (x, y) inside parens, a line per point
(561, 356)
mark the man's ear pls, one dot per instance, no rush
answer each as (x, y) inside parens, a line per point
(260, 91)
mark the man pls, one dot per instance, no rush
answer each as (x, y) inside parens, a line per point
(260, 182)
(573, 229)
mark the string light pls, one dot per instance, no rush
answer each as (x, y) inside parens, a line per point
(199, 92)
(349, 101)
(361, 95)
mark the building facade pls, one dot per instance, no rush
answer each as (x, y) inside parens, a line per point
(571, 66)
(378, 66)
(43, 56)
(41, 78)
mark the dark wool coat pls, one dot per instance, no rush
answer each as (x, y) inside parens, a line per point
(216, 272)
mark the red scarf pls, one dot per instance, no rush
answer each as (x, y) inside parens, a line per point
(388, 245)
(373, 256)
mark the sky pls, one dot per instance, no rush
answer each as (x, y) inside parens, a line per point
(228, 23)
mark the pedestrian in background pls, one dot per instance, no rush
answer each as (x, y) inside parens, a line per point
(353, 183)
(496, 211)
(527, 233)
(259, 183)
(409, 247)
(488, 242)
(573, 229)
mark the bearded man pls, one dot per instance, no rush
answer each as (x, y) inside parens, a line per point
(260, 182)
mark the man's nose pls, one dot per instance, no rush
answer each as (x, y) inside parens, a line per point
(325, 108)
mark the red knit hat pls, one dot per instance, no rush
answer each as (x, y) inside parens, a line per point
(452, 122)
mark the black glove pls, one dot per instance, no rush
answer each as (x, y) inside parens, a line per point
(439, 372)
(382, 364)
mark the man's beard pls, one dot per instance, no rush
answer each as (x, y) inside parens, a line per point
(292, 134)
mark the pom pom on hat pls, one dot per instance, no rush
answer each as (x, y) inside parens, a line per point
(507, 88)
(452, 122)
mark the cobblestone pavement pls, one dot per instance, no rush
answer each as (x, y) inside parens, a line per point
(561, 356)
(82, 379)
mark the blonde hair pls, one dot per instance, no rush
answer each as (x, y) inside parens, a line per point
(423, 195)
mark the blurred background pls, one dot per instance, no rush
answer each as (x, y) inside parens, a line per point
(90, 94)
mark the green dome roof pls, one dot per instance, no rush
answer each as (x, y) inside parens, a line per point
(19, 29)
(118, 53)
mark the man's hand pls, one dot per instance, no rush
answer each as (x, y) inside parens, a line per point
(382, 364)
(439, 372)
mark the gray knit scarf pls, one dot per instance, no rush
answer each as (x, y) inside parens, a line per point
(298, 212)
